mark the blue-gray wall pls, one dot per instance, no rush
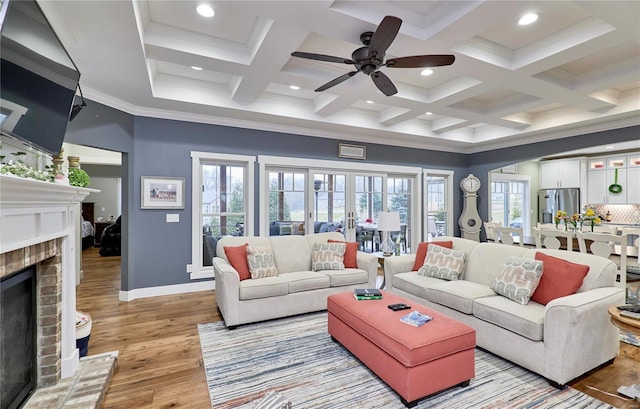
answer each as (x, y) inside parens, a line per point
(155, 253)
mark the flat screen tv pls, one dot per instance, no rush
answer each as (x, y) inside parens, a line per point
(38, 78)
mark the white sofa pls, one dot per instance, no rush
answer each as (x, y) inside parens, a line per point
(296, 289)
(560, 341)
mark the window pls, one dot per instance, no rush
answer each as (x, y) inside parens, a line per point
(222, 204)
(510, 200)
(438, 203)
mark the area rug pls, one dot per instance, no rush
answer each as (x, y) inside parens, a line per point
(297, 358)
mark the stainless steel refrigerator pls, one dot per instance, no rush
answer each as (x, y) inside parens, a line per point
(552, 200)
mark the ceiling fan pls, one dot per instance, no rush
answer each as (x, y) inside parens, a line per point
(370, 58)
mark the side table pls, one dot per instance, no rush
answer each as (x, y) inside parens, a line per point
(381, 258)
(633, 326)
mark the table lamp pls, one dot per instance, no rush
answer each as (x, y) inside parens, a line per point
(388, 222)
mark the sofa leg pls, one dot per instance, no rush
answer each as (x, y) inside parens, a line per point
(465, 383)
(557, 385)
(411, 404)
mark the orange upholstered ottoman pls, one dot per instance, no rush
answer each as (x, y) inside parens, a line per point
(413, 361)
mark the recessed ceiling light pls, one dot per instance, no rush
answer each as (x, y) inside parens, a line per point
(528, 19)
(294, 87)
(205, 10)
(429, 113)
(369, 101)
(193, 67)
(426, 72)
(610, 147)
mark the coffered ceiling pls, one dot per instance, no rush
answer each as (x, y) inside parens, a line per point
(575, 70)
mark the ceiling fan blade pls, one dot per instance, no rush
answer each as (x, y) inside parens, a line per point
(384, 36)
(321, 57)
(383, 83)
(336, 81)
(421, 61)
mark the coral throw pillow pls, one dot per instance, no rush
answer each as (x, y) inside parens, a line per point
(421, 253)
(350, 254)
(559, 278)
(237, 257)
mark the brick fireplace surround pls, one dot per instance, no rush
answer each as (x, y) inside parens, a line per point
(47, 258)
(40, 225)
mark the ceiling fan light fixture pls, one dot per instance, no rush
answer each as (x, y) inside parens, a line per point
(370, 59)
(428, 113)
(205, 10)
(426, 72)
(369, 101)
(527, 19)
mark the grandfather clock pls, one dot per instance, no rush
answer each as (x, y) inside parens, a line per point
(469, 221)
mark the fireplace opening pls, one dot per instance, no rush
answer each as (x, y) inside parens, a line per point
(18, 365)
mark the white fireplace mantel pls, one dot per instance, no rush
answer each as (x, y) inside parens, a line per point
(33, 212)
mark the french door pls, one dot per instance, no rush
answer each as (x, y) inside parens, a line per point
(343, 200)
(316, 196)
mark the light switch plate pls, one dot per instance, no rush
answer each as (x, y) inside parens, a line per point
(173, 218)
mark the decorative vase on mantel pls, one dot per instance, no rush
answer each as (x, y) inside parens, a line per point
(74, 161)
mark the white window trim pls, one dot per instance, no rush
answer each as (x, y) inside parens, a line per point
(196, 234)
(414, 173)
(449, 198)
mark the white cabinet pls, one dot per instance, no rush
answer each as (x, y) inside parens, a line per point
(633, 179)
(560, 173)
(598, 186)
(602, 175)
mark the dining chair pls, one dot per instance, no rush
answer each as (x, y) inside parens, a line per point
(505, 235)
(603, 245)
(546, 226)
(489, 230)
(549, 238)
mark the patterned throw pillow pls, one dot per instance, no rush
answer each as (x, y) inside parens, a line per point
(443, 263)
(261, 262)
(328, 256)
(518, 279)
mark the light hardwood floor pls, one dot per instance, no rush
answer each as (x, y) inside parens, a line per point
(160, 362)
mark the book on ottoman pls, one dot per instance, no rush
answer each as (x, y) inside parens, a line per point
(367, 292)
(416, 318)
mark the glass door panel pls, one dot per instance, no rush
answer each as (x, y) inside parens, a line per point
(330, 202)
(436, 207)
(399, 199)
(286, 192)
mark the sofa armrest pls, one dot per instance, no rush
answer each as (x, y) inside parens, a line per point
(369, 263)
(395, 265)
(578, 333)
(227, 290)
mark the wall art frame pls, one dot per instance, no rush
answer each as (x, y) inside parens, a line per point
(158, 192)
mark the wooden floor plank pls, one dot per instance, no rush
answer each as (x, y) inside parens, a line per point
(160, 363)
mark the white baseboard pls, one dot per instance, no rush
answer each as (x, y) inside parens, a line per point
(166, 290)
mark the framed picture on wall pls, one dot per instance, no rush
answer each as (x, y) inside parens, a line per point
(162, 192)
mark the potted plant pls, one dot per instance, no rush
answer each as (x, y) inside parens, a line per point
(78, 177)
